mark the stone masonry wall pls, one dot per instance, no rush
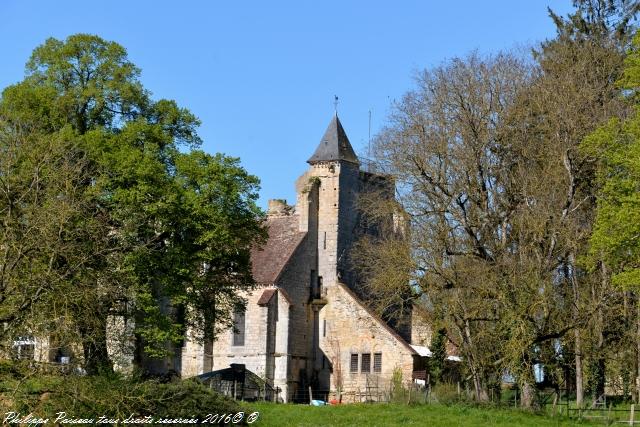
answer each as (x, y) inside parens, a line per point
(351, 329)
(253, 353)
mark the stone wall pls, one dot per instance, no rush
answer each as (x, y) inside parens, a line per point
(352, 329)
(420, 329)
(253, 353)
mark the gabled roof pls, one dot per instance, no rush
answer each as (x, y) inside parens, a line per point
(334, 145)
(269, 260)
(377, 318)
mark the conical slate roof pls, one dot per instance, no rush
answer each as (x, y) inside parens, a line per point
(334, 145)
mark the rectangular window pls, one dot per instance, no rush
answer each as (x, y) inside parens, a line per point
(377, 362)
(354, 362)
(324, 244)
(24, 348)
(324, 327)
(238, 328)
(366, 363)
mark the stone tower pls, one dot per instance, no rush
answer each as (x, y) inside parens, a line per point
(334, 171)
(305, 326)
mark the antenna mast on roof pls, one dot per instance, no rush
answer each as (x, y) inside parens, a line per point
(369, 150)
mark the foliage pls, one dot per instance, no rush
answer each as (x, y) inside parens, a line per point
(500, 204)
(616, 148)
(446, 393)
(438, 357)
(111, 395)
(156, 229)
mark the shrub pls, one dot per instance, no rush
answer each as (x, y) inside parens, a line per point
(115, 396)
(446, 393)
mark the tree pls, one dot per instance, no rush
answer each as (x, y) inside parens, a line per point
(575, 93)
(500, 200)
(615, 148)
(443, 147)
(165, 225)
(438, 358)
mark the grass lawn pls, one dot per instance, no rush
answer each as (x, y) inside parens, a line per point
(399, 415)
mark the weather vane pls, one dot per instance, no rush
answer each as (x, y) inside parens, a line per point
(335, 103)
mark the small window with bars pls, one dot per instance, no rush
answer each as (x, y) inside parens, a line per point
(354, 362)
(366, 363)
(377, 362)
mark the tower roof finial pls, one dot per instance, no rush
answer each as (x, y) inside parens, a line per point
(335, 104)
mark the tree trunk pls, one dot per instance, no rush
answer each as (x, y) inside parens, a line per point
(600, 362)
(481, 393)
(637, 379)
(579, 382)
(578, 344)
(528, 398)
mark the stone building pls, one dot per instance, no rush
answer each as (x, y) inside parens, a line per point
(305, 325)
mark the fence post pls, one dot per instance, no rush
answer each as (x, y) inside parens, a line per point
(632, 414)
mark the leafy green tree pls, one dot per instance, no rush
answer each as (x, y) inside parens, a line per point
(438, 358)
(616, 147)
(166, 228)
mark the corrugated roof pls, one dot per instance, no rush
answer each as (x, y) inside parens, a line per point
(422, 350)
(284, 237)
(334, 145)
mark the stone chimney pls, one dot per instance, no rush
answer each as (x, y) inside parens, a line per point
(278, 207)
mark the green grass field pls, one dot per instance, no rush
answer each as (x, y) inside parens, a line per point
(399, 415)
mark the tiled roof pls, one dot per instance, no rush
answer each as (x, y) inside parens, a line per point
(284, 237)
(334, 145)
(266, 296)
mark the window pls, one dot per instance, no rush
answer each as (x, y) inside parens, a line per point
(354, 362)
(324, 244)
(24, 348)
(238, 328)
(377, 362)
(324, 327)
(366, 363)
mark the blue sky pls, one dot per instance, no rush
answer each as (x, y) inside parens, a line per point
(261, 75)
